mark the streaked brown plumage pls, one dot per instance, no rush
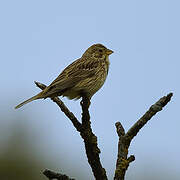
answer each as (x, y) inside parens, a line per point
(85, 76)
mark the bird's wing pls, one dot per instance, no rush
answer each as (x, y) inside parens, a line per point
(71, 75)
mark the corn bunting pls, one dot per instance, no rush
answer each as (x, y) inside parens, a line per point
(84, 77)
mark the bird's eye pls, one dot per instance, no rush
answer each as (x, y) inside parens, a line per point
(100, 50)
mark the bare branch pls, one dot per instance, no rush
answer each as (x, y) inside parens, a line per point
(147, 116)
(122, 157)
(90, 140)
(63, 108)
(53, 175)
(125, 139)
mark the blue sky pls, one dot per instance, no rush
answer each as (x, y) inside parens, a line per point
(38, 39)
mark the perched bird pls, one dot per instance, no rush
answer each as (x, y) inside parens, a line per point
(84, 77)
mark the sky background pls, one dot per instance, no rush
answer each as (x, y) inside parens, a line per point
(38, 39)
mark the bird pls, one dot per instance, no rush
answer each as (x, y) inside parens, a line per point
(84, 77)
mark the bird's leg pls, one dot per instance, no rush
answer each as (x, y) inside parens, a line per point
(85, 102)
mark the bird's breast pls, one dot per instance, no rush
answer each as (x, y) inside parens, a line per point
(99, 78)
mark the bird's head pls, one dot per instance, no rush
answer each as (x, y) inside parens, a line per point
(97, 51)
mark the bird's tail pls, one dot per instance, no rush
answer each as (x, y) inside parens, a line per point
(28, 100)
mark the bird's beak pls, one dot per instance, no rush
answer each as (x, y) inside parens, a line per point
(109, 52)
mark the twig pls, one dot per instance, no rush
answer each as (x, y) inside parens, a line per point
(53, 175)
(63, 108)
(125, 139)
